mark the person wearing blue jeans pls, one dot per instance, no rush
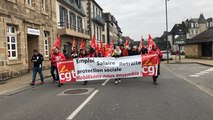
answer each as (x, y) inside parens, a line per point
(37, 60)
(55, 77)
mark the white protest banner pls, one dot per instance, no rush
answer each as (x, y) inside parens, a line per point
(82, 69)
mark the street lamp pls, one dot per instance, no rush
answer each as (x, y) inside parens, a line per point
(167, 45)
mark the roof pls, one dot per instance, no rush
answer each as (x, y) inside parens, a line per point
(179, 29)
(206, 36)
(201, 19)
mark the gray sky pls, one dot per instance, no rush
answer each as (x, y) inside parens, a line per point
(143, 17)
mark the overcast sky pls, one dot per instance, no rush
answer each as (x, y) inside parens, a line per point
(143, 17)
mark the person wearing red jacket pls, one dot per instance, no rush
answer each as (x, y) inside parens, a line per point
(156, 50)
(124, 50)
(55, 57)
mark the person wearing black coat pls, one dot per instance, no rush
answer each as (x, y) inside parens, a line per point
(37, 60)
(117, 53)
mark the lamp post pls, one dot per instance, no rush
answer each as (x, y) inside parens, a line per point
(167, 45)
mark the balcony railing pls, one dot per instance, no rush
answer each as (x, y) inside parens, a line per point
(72, 27)
(98, 19)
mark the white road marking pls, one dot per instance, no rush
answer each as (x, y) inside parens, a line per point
(200, 73)
(105, 82)
(82, 105)
(205, 72)
(203, 88)
(209, 70)
(194, 75)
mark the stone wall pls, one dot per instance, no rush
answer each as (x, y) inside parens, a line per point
(23, 16)
(192, 51)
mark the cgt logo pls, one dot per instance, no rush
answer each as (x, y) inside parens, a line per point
(149, 70)
(67, 76)
(66, 72)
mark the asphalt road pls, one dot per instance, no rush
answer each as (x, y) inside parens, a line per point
(134, 99)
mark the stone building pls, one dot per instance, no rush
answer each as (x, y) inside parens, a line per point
(111, 31)
(94, 18)
(200, 46)
(71, 23)
(25, 25)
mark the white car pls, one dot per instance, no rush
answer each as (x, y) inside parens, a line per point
(165, 55)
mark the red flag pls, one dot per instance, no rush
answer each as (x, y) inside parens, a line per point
(82, 45)
(97, 47)
(92, 44)
(141, 43)
(127, 41)
(101, 44)
(112, 45)
(150, 43)
(57, 42)
(107, 51)
(102, 48)
(107, 45)
(73, 43)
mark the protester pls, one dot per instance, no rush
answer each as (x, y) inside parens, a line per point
(74, 55)
(117, 53)
(83, 54)
(92, 52)
(144, 50)
(56, 56)
(37, 60)
(66, 54)
(134, 51)
(124, 50)
(156, 50)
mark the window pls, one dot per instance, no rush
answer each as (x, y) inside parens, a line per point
(211, 24)
(62, 15)
(79, 23)
(12, 42)
(46, 44)
(29, 2)
(192, 25)
(78, 3)
(197, 32)
(196, 25)
(43, 5)
(97, 33)
(74, 20)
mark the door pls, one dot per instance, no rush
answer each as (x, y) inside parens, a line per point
(32, 44)
(207, 49)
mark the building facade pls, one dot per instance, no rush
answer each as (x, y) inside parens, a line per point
(94, 19)
(25, 25)
(196, 26)
(199, 39)
(200, 46)
(111, 31)
(71, 23)
(187, 30)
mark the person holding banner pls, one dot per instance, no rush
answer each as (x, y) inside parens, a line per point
(117, 53)
(123, 50)
(156, 50)
(56, 56)
(73, 54)
(144, 50)
(83, 54)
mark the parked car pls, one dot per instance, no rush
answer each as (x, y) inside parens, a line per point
(164, 52)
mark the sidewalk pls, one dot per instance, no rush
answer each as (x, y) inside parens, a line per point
(21, 81)
(186, 60)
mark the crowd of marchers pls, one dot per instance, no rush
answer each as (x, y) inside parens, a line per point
(117, 52)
